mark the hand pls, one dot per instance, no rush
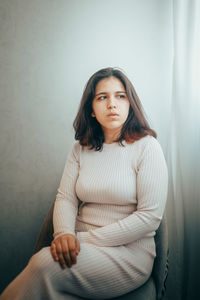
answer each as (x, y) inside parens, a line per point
(65, 250)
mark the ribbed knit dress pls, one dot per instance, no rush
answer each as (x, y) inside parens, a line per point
(113, 200)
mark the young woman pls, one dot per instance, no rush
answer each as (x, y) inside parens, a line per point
(110, 201)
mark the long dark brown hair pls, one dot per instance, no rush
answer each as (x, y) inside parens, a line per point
(88, 130)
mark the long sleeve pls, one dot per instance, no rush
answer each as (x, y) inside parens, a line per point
(66, 204)
(152, 186)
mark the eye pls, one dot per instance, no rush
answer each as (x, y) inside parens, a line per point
(121, 96)
(102, 98)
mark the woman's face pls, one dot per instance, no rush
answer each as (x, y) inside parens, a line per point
(110, 105)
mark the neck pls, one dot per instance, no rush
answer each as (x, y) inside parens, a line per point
(111, 136)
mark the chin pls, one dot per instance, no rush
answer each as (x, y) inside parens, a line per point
(114, 127)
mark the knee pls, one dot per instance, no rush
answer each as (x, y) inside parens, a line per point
(41, 261)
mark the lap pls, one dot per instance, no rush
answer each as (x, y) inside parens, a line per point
(99, 272)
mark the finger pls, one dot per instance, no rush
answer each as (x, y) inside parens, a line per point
(73, 256)
(77, 246)
(53, 251)
(72, 249)
(65, 251)
(60, 256)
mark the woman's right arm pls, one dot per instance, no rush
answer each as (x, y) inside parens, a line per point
(65, 246)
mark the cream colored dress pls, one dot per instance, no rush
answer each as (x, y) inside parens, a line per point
(113, 200)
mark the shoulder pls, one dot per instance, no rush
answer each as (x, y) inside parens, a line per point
(146, 147)
(149, 149)
(148, 142)
(145, 144)
(75, 151)
(152, 145)
(76, 147)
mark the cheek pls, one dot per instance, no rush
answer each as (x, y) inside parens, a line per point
(95, 107)
(126, 109)
(98, 109)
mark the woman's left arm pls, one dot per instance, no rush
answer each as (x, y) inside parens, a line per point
(152, 186)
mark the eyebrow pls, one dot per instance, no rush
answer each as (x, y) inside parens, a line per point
(106, 93)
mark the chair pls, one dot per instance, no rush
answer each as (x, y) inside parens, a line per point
(154, 287)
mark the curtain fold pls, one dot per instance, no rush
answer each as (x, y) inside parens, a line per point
(183, 154)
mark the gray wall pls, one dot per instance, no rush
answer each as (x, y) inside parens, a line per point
(48, 51)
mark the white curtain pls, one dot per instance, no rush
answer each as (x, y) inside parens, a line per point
(183, 207)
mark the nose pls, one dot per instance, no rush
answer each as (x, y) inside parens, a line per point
(111, 103)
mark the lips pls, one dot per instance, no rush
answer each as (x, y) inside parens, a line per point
(113, 115)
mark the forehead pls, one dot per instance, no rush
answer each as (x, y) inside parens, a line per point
(109, 84)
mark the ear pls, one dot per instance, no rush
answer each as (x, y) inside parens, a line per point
(93, 115)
